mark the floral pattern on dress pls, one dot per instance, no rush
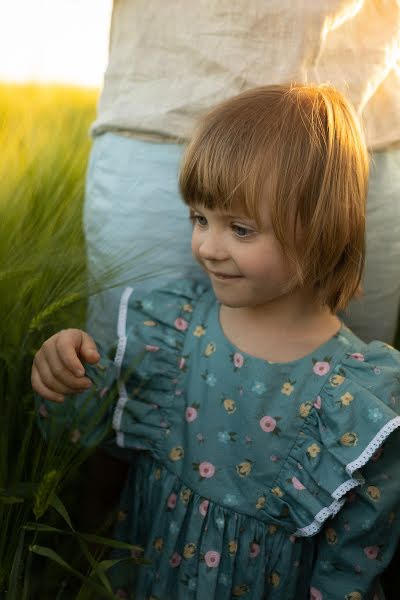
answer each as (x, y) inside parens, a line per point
(240, 457)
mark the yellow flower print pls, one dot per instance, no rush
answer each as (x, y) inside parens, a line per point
(261, 502)
(346, 399)
(274, 579)
(272, 529)
(287, 388)
(331, 536)
(353, 596)
(229, 405)
(277, 491)
(176, 453)
(157, 474)
(240, 590)
(187, 308)
(349, 439)
(158, 544)
(189, 550)
(199, 331)
(305, 409)
(150, 323)
(374, 492)
(232, 547)
(336, 380)
(210, 349)
(185, 495)
(243, 469)
(313, 450)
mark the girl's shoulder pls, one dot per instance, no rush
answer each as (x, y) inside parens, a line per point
(346, 425)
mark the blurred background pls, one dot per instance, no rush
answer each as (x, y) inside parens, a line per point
(52, 59)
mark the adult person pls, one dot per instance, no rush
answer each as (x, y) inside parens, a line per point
(169, 62)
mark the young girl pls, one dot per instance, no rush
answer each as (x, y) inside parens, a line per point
(268, 431)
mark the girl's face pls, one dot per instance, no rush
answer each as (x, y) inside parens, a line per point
(245, 263)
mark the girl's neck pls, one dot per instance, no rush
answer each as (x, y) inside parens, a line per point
(281, 333)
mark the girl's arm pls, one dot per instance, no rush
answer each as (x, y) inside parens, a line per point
(357, 545)
(57, 368)
(86, 414)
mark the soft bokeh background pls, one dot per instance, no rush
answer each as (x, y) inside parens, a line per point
(52, 57)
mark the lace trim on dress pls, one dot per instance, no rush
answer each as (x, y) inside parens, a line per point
(332, 509)
(119, 356)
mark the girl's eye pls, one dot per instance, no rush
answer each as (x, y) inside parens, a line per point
(198, 220)
(241, 231)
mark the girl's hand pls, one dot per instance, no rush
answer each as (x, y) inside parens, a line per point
(57, 369)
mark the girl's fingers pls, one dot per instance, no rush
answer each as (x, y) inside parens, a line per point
(88, 349)
(42, 389)
(67, 346)
(57, 378)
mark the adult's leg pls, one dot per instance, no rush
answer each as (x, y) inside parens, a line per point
(375, 315)
(136, 226)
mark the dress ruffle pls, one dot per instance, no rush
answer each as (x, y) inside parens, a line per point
(324, 464)
(149, 355)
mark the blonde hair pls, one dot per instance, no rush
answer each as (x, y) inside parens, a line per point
(299, 148)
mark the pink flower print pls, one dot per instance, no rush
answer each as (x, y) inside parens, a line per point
(315, 594)
(182, 363)
(175, 560)
(212, 558)
(136, 553)
(238, 360)
(351, 496)
(318, 402)
(267, 423)
(151, 348)
(297, 484)
(190, 414)
(206, 469)
(357, 356)
(171, 501)
(371, 552)
(376, 454)
(43, 412)
(292, 539)
(181, 324)
(274, 458)
(203, 507)
(254, 550)
(321, 367)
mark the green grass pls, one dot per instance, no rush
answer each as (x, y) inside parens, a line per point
(45, 144)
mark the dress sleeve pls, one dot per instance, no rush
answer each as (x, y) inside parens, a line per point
(133, 385)
(357, 544)
(82, 419)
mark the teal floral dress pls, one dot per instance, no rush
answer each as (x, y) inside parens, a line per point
(254, 480)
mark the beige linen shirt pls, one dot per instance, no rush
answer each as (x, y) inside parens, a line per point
(170, 60)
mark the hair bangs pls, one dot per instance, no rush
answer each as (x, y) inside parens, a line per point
(221, 168)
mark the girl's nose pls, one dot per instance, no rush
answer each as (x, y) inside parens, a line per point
(212, 247)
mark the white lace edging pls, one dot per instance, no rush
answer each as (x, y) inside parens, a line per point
(119, 356)
(332, 509)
